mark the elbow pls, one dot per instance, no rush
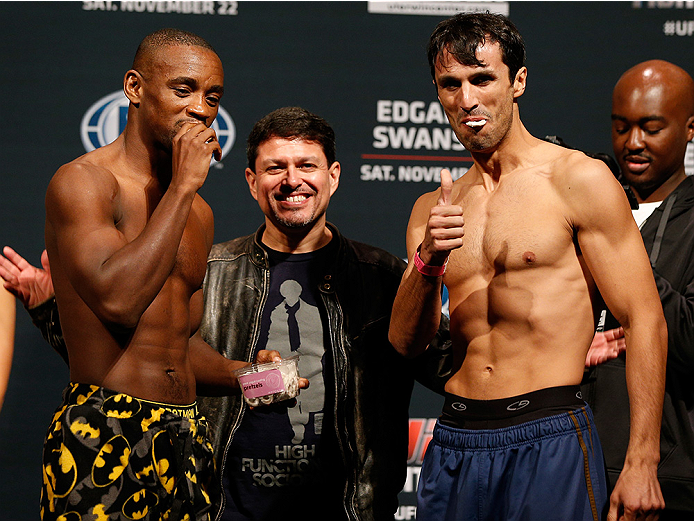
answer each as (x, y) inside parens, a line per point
(395, 341)
(118, 315)
(401, 345)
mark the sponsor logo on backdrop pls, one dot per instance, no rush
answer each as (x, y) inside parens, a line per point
(411, 142)
(672, 27)
(175, 6)
(437, 8)
(105, 120)
(663, 5)
(406, 512)
(421, 432)
(678, 28)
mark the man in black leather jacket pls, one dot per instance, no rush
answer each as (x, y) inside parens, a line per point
(362, 451)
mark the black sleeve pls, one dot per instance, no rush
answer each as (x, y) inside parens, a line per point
(679, 315)
(434, 367)
(45, 317)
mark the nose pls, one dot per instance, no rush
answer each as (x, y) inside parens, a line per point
(199, 109)
(635, 139)
(467, 98)
(292, 179)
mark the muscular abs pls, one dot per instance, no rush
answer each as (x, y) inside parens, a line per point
(521, 316)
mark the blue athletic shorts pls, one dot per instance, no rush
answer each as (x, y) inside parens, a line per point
(546, 469)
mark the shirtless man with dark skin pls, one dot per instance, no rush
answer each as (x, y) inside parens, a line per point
(128, 235)
(128, 238)
(526, 233)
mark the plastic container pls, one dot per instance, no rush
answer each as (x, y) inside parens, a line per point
(269, 383)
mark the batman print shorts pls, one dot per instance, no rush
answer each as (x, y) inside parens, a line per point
(109, 456)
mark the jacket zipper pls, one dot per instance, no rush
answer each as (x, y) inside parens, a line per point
(249, 358)
(341, 383)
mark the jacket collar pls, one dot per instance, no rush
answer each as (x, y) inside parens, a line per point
(679, 200)
(337, 251)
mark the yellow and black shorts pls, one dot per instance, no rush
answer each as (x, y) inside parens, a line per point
(108, 455)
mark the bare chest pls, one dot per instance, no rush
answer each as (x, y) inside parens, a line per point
(518, 227)
(136, 210)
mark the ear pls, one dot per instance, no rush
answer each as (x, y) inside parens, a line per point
(690, 129)
(132, 86)
(519, 82)
(334, 172)
(250, 179)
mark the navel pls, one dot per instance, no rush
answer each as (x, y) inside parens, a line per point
(529, 257)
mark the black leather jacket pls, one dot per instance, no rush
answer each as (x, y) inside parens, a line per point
(372, 382)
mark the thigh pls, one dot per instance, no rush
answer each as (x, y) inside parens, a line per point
(560, 477)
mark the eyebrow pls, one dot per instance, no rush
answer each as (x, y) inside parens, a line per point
(282, 161)
(191, 82)
(481, 70)
(646, 119)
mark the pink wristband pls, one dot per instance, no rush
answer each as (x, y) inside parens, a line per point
(428, 269)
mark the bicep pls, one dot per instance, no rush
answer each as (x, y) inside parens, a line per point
(614, 252)
(81, 223)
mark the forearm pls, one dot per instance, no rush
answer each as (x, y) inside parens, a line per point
(416, 312)
(7, 327)
(213, 372)
(645, 375)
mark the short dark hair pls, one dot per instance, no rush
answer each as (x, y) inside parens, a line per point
(168, 36)
(291, 122)
(462, 34)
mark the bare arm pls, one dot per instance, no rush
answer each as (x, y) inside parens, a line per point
(615, 255)
(7, 322)
(33, 287)
(116, 276)
(213, 371)
(436, 228)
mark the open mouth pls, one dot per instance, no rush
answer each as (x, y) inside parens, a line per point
(477, 123)
(292, 198)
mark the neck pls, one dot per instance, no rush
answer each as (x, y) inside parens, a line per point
(296, 240)
(144, 158)
(659, 193)
(508, 155)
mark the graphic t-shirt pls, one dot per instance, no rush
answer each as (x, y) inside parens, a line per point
(282, 458)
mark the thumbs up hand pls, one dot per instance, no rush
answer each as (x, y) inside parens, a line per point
(445, 227)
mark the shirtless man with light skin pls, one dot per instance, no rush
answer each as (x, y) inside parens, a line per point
(527, 233)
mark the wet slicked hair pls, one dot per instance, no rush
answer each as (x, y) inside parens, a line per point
(163, 37)
(291, 122)
(462, 34)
